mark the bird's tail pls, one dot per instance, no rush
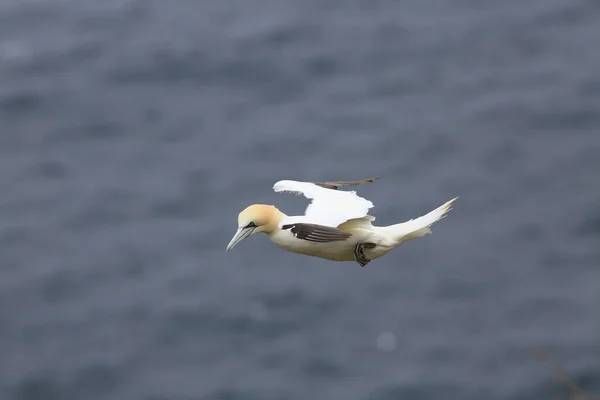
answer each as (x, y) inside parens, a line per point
(418, 227)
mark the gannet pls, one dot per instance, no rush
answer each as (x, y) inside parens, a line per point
(336, 225)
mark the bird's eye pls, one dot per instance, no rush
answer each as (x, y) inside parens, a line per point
(250, 225)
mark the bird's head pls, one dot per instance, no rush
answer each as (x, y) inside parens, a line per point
(255, 219)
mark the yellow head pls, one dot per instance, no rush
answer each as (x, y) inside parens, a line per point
(255, 219)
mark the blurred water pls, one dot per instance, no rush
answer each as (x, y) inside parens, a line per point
(133, 132)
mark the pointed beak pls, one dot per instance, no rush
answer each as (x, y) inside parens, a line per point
(241, 234)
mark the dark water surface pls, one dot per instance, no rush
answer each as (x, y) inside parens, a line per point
(133, 132)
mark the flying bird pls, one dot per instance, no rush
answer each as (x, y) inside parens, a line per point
(336, 225)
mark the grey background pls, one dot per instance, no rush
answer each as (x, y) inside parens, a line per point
(133, 132)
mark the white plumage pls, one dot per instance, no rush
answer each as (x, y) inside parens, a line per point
(327, 207)
(336, 225)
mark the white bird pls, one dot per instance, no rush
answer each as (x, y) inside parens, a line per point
(336, 225)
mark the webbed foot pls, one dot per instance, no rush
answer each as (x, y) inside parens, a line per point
(359, 253)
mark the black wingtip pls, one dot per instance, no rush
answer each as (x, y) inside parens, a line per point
(337, 184)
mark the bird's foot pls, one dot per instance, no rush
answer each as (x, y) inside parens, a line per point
(359, 253)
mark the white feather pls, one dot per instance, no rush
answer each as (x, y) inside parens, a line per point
(328, 207)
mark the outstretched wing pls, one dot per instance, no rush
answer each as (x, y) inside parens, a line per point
(328, 207)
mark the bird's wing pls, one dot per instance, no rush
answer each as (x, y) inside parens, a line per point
(337, 184)
(316, 233)
(328, 207)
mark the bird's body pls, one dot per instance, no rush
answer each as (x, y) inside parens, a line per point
(336, 225)
(335, 251)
